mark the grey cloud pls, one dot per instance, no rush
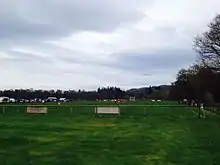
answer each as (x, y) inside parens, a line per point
(87, 15)
(17, 56)
(27, 62)
(146, 64)
(158, 61)
(18, 29)
(38, 19)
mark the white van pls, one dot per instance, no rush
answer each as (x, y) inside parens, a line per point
(4, 99)
(12, 100)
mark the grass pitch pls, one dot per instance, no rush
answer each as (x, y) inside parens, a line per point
(140, 135)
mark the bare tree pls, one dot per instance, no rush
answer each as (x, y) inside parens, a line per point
(208, 45)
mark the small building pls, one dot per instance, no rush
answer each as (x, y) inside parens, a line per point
(131, 98)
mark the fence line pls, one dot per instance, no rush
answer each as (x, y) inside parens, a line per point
(94, 105)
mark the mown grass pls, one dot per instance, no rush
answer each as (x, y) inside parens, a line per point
(140, 135)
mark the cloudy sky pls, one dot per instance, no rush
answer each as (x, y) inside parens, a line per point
(72, 44)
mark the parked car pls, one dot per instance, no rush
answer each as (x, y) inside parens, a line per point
(52, 99)
(63, 100)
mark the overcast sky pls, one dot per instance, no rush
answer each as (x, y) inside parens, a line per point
(75, 44)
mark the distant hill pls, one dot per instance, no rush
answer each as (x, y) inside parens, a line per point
(151, 92)
(154, 88)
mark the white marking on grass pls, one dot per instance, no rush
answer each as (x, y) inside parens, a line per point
(194, 112)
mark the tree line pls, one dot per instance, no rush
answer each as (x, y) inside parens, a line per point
(201, 81)
(100, 93)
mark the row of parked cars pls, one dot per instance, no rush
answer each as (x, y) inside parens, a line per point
(35, 100)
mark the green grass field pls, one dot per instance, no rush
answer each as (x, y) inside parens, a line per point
(150, 135)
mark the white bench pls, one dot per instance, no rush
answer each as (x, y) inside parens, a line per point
(107, 110)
